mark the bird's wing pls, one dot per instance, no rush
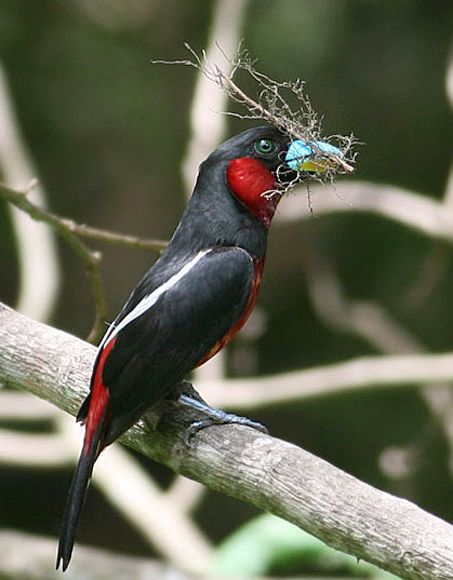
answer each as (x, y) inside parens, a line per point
(170, 331)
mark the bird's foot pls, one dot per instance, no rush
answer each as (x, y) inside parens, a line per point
(214, 417)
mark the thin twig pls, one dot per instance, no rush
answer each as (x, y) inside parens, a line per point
(272, 105)
(82, 230)
(89, 259)
(70, 232)
(101, 235)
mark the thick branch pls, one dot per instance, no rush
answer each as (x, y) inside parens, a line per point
(269, 473)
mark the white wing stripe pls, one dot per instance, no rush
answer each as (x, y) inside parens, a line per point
(149, 301)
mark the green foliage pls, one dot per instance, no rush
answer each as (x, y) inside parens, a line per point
(268, 544)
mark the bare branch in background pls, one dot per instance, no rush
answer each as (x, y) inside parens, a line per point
(371, 322)
(369, 372)
(448, 196)
(32, 557)
(426, 215)
(70, 232)
(208, 127)
(23, 407)
(32, 449)
(84, 231)
(22, 201)
(39, 274)
(89, 259)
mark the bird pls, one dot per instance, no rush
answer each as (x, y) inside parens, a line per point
(195, 297)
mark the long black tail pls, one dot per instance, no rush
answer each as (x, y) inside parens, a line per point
(76, 498)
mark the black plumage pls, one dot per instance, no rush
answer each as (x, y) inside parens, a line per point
(189, 304)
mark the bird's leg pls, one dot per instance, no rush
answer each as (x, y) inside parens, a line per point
(214, 416)
(186, 388)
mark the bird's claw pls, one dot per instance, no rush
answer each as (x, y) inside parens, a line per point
(221, 418)
(214, 417)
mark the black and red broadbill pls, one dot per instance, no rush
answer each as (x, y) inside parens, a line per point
(193, 300)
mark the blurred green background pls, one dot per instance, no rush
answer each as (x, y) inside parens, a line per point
(107, 131)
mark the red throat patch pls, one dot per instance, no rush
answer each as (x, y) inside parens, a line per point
(249, 179)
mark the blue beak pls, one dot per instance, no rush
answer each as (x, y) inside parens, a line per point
(315, 157)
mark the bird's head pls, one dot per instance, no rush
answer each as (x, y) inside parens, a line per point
(261, 163)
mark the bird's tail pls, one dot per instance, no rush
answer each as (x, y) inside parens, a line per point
(77, 492)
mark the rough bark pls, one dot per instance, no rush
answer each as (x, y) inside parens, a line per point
(271, 474)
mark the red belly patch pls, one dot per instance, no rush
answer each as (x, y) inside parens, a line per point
(258, 265)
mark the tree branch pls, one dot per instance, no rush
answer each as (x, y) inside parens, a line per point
(425, 215)
(266, 472)
(64, 225)
(37, 258)
(32, 557)
(71, 231)
(358, 373)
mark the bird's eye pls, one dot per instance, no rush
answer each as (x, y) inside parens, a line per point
(265, 147)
